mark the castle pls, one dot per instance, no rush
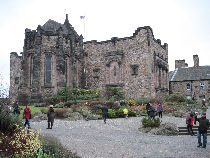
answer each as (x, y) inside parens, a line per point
(54, 56)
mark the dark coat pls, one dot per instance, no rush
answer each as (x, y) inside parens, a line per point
(16, 109)
(203, 124)
(51, 115)
(151, 111)
(104, 110)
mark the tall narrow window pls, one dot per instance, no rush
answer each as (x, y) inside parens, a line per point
(115, 71)
(188, 87)
(48, 69)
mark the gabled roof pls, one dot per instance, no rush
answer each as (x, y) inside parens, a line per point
(190, 74)
(53, 27)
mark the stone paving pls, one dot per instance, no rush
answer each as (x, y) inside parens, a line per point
(120, 138)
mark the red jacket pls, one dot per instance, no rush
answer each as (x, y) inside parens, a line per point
(192, 120)
(27, 113)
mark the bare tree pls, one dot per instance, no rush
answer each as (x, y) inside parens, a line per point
(4, 90)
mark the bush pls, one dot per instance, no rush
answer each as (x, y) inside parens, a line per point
(51, 100)
(20, 143)
(120, 112)
(44, 111)
(140, 101)
(132, 113)
(61, 112)
(175, 98)
(8, 121)
(111, 113)
(131, 103)
(150, 122)
(52, 147)
(115, 94)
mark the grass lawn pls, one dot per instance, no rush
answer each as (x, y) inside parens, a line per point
(33, 109)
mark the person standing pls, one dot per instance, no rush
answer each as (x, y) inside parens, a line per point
(203, 102)
(160, 110)
(152, 111)
(16, 108)
(147, 108)
(195, 117)
(51, 117)
(202, 130)
(190, 124)
(104, 112)
(27, 116)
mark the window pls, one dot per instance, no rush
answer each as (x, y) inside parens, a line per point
(115, 71)
(188, 87)
(134, 69)
(16, 80)
(48, 69)
(202, 85)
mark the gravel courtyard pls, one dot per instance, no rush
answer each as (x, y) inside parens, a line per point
(120, 138)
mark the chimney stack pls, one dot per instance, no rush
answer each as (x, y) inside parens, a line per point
(196, 60)
(180, 64)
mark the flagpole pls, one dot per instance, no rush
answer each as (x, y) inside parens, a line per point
(84, 29)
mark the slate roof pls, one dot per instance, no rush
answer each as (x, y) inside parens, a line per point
(53, 26)
(190, 74)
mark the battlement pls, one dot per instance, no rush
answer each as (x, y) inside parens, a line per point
(114, 39)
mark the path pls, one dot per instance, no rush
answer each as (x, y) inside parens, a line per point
(120, 138)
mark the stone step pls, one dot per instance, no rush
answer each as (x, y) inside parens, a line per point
(184, 131)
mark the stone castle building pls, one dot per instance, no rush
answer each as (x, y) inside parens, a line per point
(192, 82)
(54, 56)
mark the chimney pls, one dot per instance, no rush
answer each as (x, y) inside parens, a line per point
(180, 64)
(196, 60)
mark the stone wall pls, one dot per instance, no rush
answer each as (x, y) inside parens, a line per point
(15, 75)
(195, 92)
(132, 64)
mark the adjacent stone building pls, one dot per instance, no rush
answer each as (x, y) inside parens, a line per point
(54, 56)
(192, 82)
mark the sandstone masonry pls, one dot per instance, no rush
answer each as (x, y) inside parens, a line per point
(54, 56)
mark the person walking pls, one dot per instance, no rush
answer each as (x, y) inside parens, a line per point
(16, 108)
(27, 116)
(190, 124)
(51, 117)
(104, 112)
(203, 102)
(202, 130)
(160, 110)
(195, 117)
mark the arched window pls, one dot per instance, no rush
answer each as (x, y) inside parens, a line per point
(115, 71)
(188, 87)
(48, 69)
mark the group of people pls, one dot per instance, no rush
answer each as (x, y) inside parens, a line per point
(204, 124)
(27, 115)
(152, 112)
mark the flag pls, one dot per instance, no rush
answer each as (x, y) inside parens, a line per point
(82, 17)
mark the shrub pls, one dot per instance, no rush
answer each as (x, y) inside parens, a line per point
(52, 147)
(175, 98)
(190, 101)
(115, 94)
(20, 143)
(61, 112)
(83, 110)
(150, 122)
(44, 111)
(131, 103)
(132, 113)
(120, 112)
(8, 121)
(51, 100)
(59, 105)
(111, 113)
(140, 101)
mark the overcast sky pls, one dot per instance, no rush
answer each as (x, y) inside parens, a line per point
(183, 24)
